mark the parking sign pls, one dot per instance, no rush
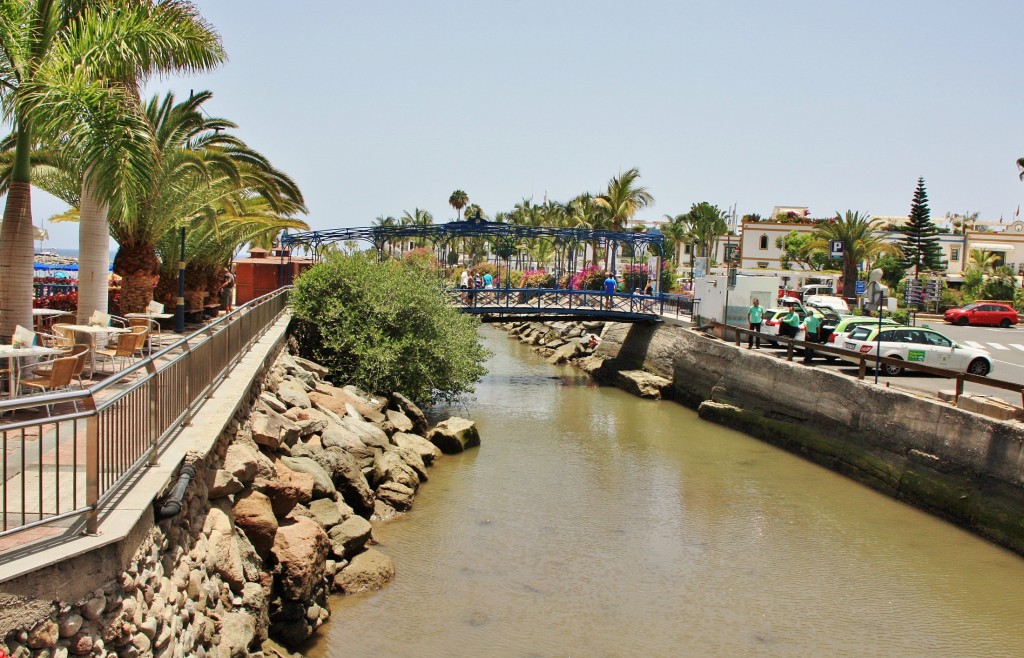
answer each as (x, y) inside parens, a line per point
(835, 248)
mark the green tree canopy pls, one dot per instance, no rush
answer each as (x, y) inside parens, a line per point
(386, 327)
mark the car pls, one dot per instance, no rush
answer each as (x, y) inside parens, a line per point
(846, 325)
(993, 313)
(773, 318)
(837, 303)
(915, 345)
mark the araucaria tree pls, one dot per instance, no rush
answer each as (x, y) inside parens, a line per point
(387, 327)
(920, 242)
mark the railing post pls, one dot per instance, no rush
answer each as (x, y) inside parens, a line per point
(92, 470)
(154, 409)
(959, 388)
(789, 350)
(862, 368)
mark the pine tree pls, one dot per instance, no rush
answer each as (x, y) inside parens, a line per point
(920, 242)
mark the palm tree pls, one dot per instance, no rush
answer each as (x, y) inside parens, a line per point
(418, 217)
(56, 61)
(458, 200)
(856, 232)
(622, 199)
(983, 260)
(195, 170)
(706, 225)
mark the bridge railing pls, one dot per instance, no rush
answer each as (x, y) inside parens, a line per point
(520, 300)
(69, 463)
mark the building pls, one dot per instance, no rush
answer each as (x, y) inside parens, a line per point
(264, 272)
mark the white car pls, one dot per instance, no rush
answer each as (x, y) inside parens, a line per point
(771, 320)
(916, 345)
(838, 304)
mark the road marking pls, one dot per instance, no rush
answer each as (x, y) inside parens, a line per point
(1017, 347)
(974, 344)
(998, 346)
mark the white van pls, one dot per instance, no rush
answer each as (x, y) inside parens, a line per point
(838, 304)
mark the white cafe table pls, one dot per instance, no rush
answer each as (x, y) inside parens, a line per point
(15, 354)
(92, 331)
(42, 316)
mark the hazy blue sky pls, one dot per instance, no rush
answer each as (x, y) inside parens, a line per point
(379, 107)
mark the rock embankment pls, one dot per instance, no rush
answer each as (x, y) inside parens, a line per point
(277, 518)
(580, 343)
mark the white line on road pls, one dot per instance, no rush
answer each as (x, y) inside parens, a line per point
(998, 346)
(1017, 346)
(973, 344)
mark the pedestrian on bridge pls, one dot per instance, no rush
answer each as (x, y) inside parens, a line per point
(609, 289)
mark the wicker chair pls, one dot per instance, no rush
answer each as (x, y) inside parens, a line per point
(125, 349)
(60, 376)
(80, 352)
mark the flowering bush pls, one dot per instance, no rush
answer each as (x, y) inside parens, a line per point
(537, 279)
(590, 277)
(67, 301)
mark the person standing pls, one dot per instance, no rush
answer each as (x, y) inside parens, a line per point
(754, 316)
(464, 284)
(609, 289)
(812, 328)
(488, 281)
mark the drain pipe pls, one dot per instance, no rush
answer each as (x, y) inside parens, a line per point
(172, 504)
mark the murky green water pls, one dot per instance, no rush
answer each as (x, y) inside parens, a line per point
(592, 523)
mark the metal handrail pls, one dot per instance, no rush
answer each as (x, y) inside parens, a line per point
(863, 360)
(508, 300)
(71, 463)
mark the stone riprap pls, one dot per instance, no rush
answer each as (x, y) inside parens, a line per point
(277, 518)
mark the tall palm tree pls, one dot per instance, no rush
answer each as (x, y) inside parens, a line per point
(56, 63)
(458, 200)
(418, 217)
(860, 244)
(195, 169)
(622, 199)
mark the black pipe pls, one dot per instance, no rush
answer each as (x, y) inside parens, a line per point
(172, 505)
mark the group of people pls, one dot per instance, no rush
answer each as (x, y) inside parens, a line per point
(471, 280)
(789, 326)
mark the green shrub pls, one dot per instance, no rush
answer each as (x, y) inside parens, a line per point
(387, 327)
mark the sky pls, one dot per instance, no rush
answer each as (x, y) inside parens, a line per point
(376, 108)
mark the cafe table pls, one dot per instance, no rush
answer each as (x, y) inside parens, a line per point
(92, 332)
(154, 321)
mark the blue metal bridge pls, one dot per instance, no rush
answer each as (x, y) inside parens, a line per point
(541, 304)
(507, 243)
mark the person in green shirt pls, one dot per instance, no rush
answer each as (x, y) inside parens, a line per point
(812, 327)
(754, 316)
(790, 323)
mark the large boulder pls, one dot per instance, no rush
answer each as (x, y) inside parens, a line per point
(368, 433)
(454, 435)
(271, 429)
(413, 461)
(643, 384)
(349, 479)
(337, 399)
(223, 555)
(390, 467)
(293, 394)
(329, 513)
(254, 514)
(310, 421)
(323, 486)
(220, 483)
(409, 408)
(396, 495)
(427, 451)
(398, 420)
(566, 352)
(237, 631)
(300, 548)
(337, 435)
(368, 571)
(310, 366)
(350, 537)
(241, 461)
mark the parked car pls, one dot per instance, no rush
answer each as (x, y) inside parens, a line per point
(916, 345)
(837, 303)
(993, 313)
(846, 325)
(815, 289)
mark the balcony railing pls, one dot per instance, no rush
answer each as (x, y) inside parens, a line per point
(68, 465)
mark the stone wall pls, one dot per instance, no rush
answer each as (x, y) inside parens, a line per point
(277, 517)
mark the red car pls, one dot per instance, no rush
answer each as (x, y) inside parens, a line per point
(992, 313)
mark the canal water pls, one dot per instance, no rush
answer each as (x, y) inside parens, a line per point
(593, 523)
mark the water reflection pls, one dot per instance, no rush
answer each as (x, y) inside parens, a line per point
(590, 522)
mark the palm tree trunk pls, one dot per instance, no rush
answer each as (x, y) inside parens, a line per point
(93, 255)
(16, 245)
(137, 265)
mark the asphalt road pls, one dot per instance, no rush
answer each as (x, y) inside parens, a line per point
(1006, 346)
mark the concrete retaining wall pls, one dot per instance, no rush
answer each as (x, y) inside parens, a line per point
(959, 465)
